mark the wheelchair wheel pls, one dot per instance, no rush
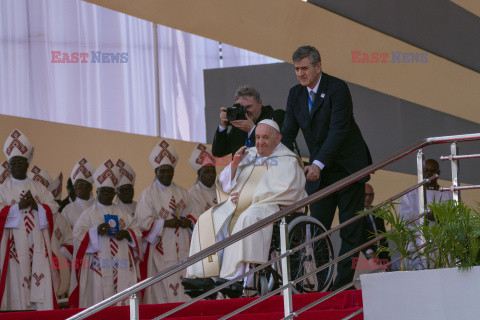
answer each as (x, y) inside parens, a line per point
(314, 255)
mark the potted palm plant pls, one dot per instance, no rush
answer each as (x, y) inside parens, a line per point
(445, 245)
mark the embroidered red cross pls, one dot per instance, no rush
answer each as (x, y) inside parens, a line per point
(16, 144)
(38, 178)
(12, 253)
(82, 169)
(163, 213)
(27, 281)
(174, 288)
(38, 278)
(5, 172)
(56, 192)
(121, 165)
(108, 173)
(164, 153)
(204, 157)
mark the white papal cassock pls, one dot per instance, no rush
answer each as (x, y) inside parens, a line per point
(265, 184)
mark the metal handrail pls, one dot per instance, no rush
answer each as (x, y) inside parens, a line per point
(269, 220)
(321, 236)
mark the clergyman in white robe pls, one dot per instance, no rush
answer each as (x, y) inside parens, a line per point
(28, 278)
(409, 209)
(164, 246)
(264, 187)
(104, 265)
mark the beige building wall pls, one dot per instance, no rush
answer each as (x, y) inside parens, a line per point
(59, 146)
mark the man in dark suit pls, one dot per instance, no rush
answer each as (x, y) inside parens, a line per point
(374, 226)
(231, 136)
(321, 106)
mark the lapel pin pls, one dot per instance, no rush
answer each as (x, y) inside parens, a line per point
(322, 95)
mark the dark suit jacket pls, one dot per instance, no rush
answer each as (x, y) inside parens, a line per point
(370, 234)
(231, 139)
(330, 131)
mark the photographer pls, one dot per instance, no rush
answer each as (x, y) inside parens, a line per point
(242, 121)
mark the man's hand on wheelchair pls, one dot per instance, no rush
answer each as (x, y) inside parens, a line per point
(234, 197)
(312, 172)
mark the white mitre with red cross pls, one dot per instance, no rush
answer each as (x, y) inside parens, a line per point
(127, 175)
(84, 170)
(17, 144)
(106, 175)
(41, 176)
(201, 156)
(163, 153)
(57, 186)
(4, 171)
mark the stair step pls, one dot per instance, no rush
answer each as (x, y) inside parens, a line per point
(307, 315)
(337, 307)
(347, 299)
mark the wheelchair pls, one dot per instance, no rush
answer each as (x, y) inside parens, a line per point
(301, 228)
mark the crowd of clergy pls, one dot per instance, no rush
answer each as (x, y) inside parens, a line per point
(91, 246)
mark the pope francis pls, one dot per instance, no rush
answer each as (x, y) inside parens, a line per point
(258, 182)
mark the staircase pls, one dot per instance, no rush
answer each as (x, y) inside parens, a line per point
(336, 308)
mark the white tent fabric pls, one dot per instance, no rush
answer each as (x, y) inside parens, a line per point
(111, 84)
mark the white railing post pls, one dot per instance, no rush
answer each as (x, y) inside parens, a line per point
(134, 309)
(422, 200)
(284, 246)
(454, 162)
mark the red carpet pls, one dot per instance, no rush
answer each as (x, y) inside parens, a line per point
(335, 308)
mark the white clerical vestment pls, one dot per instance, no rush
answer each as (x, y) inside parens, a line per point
(62, 239)
(409, 209)
(129, 207)
(104, 265)
(264, 184)
(29, 277)
(202, 198)
(163, 246)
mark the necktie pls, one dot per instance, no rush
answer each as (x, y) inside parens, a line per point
(312, 99)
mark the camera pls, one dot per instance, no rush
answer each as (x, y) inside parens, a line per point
(236, 112)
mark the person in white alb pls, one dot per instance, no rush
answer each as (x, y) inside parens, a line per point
(162, 212)
(56, 188)
(256, 184)
(125, 187)
(82, 178)
(203, 194)
(105, 242)
(62, 238)
(409, 209)
(28, 278)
